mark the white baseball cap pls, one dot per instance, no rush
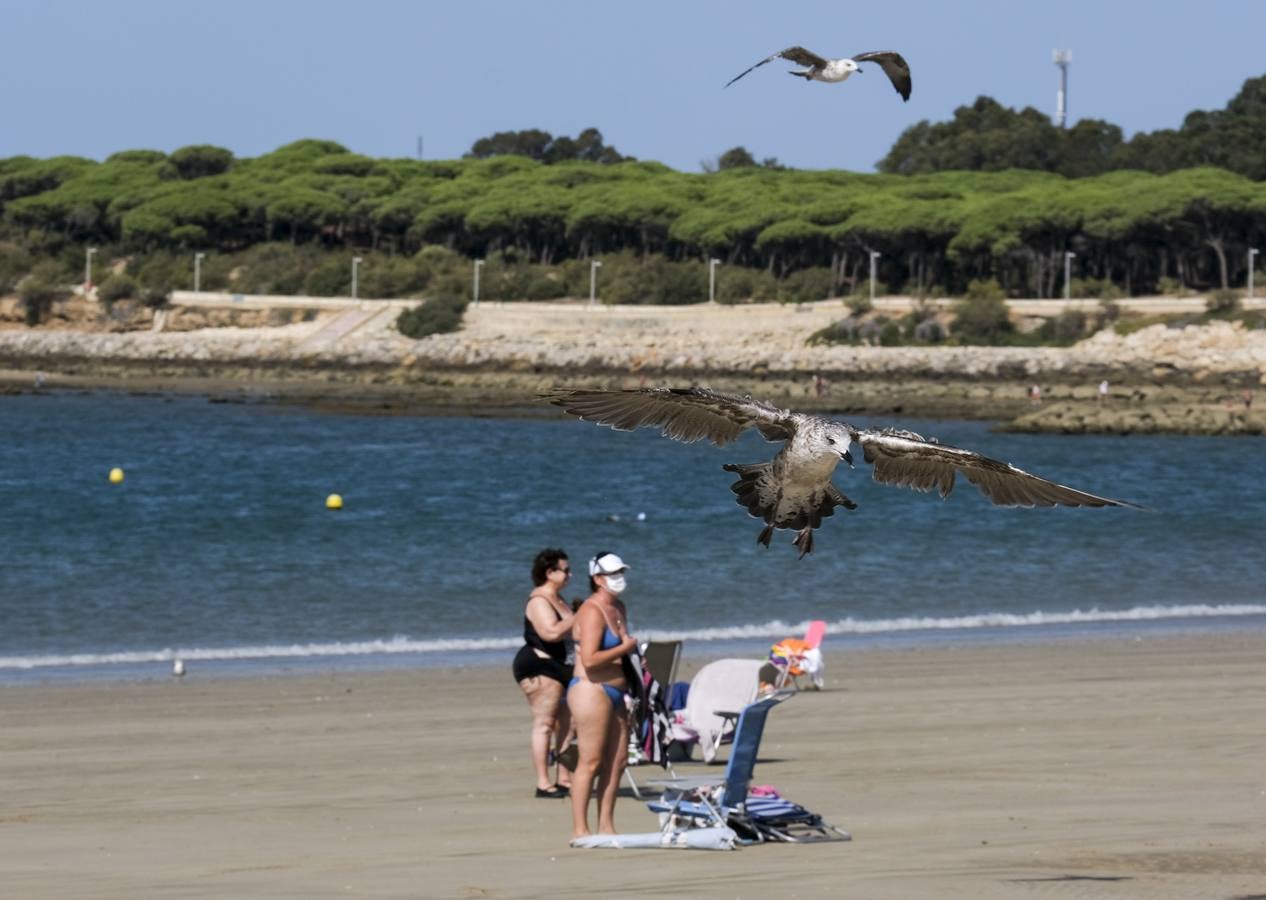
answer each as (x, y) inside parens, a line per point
(606, 564)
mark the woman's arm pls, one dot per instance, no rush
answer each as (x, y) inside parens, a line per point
(545, 619)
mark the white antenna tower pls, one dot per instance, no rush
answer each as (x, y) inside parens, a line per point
(1062, 58)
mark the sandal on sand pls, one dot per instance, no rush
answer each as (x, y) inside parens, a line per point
(556, 792)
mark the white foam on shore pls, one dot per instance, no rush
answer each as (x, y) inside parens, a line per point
(777, 629)
(265, 651)
(773, 629)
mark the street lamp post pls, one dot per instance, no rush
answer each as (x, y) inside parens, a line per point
(356, 261)
(1252, 255)
(197, 271)
(1068, 269)
(874, 255)
(712, 280)
(88, 270)
(479, 264)
(594, 265)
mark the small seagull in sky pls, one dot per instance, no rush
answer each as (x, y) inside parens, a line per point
(794, 490)
(833, 70)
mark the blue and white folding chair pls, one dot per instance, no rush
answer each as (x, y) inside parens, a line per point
(710, 802)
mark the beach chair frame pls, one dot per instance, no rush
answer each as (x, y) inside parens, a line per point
(712, 801)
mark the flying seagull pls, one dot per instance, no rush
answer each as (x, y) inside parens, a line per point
(833, 70)
(794, 489)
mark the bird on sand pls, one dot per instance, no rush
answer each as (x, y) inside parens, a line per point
(794, 490)
(835, 70)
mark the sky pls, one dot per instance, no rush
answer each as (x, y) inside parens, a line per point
(93, 78)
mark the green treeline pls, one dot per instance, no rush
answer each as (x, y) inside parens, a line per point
(289, 221)
(987, 136)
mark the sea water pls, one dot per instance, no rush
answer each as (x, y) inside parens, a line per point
(217, 548)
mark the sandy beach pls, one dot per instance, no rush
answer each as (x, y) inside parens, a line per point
(1118, 767)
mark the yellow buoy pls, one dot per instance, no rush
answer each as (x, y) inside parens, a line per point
(334, 501)
(116, 476)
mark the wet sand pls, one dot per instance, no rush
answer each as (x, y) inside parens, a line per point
(1116, 767)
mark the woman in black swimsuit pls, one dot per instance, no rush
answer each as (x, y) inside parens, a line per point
(541, 666)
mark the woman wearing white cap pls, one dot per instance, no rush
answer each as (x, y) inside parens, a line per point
(596, 694)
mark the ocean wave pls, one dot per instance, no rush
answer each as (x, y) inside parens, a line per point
(775, 628)
(265, 651)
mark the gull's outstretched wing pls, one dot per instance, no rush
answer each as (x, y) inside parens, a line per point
(894, 66)
(797, 55)
(906, 459)
(683, 414)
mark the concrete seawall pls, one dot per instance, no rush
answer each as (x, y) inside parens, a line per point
(507, 352)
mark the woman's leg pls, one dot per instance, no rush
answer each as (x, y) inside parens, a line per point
(614, 760)
(543, 696)
(563, 733)
(591, 711)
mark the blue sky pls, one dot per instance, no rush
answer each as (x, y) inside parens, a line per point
(93, 78)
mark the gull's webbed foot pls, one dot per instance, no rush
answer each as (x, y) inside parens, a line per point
(765, 535)
(804, 541)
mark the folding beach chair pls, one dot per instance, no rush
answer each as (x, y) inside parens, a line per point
(718, 692)
(715, 802)
(650, 729)
(794, 658)
(661, 658)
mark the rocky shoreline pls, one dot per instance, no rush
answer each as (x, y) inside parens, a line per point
(1192, 380)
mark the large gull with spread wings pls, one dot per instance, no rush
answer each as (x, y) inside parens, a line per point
(794, 490)
(835, 70)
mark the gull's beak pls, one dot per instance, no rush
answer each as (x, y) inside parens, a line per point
(848, 458)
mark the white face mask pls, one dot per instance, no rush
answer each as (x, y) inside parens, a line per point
(616, 583)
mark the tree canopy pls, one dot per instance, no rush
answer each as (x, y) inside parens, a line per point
(987, 136)
(993, 194)
(544, 147)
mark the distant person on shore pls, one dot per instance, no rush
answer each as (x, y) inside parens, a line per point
(541, 667)
(597, 693)
(1247, 395)
(1035, 395)
(1103, 391)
